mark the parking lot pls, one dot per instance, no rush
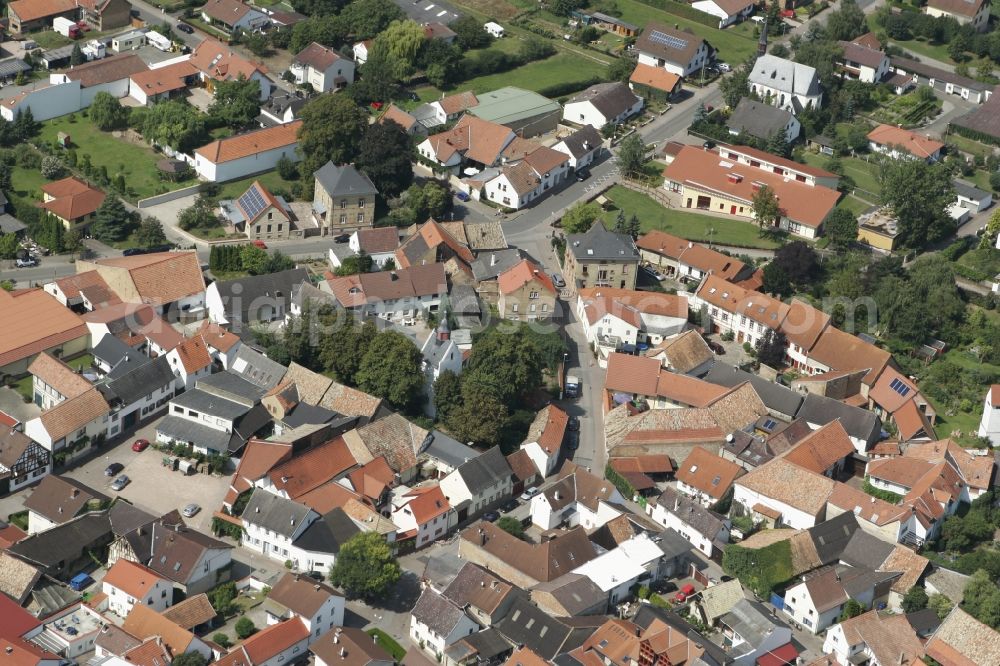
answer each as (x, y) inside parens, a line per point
(427, 11)
(154, 488)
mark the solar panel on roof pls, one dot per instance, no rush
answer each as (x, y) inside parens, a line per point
(899, 387)
(252, 202)
(669, 41)
(769, 424)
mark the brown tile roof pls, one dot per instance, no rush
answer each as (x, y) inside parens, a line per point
(251, 143)
(628, 304)
(350, 401)
(458, 102)
(164, 79)
(396, 438)
(193, 354)
(58, 375)
(657, 78)
(791, 484)
(150, 653)
(161, 277)
(71, 415)
(644, 432)
(822, 448)
(861, 54)
(684, 352)
(90, 284)
(72, 198)
(191, 612)
(890, 639)
(689, 391)
(985, 118)
(228, 12)
(913, 143)
(32, 10)
(115, 641)
(977, 471)
(632, 374)
(522, 465)
(398, 116)
(544, 159)
(372, 478)
(143, 622)
(542, 561)
(691, 254)
(842, 351)
(962, 640)
(328, 497)
(581, 486)
(437, 30)
(909, 563)
(17, 578)
(425, 503)
(706, 170)
(866, 507)
(900, 471)
(378, 239)
(415, 281)
(133, 579)
(737, 408)
(479, 140)
(312, 468)
(525, 656)
(522, 178)
(432, 236)
(270, 642)
(708, 472)
(300, 594)
(548, 428)
(217, 337)
(107, 70)
(681, 52)
(732, 298)
(803, 324)
(648, 464)
(967, 8)
(219, 62)
(521, 274)
(317, 56)
(351, 647)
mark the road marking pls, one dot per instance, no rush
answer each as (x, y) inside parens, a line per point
(428, 8)
(442, 13)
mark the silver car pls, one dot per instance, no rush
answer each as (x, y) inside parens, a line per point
(120, 482)
(190, 510)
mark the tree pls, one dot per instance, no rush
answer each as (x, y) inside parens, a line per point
(799, 261)
(365, 19)
(52, 167)
(565, 7)
(254, 260)
(107, 113)
(632, 155)
(771, 348)
(447, 392)
(580, 218)
(508, 362)
(915, 599)
(846, 23)
(620, 70)
(287, 169)
(345, 345)
(766, 209)
(332, 127)
(841, 227)
(511, 526)
(852, 608)
(386, 156)
(440, 61)
(318, 7)
(776, 280)
(359, 263)
(8, 246)
(777, 143)
(391, 369)
(365, 567)
(378, 77)
(173, 123)
(112, 222)
(150, 233)
(200, 215)
(736, 86)
(480, 416)
(986, 241)
(940, 604)
(403, 41)
(76, 56)
(245, 627)
(5, 177)
(981, 598)
(470, 33)
(222, 598)
(189, 659)
(221, 639)
(235, 103)
(325, 30)
(919, 195)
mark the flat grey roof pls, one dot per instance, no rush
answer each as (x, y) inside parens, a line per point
(206, 403)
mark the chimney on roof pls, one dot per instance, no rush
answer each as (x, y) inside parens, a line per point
(343, 653)
(8, 649)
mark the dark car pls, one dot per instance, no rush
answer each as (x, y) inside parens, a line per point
(342, 238)
(491, 516)
(509, 506)
(573, 440)
(185, 28)
(317, 576)
(574, 424)
(582, 175)
(113, 469)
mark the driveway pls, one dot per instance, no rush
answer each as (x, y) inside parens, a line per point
(12, 403)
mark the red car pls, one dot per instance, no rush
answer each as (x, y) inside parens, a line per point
(261, 244)
(140, 445)
(685, 592)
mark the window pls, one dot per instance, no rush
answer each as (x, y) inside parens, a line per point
(343, 218)
(545, 307)
(279, 227)
(257, 229)
(533, 294)
(361, 203)
(514, 307)
(343, 203)
(625, 269)
(361, 218)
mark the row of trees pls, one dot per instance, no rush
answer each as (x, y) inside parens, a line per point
(248, 258)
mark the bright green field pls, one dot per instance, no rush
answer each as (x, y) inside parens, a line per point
(692, 226)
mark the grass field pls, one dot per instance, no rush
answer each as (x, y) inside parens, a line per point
(116, 154)
(560, 68)
(862, 172)
(691, 226)
(853, 204)
(734, 46)
(271, 180)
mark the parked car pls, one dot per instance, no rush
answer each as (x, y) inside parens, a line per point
(185, 28)
(26, 263)
(716, 347)
(140, 445)
(491, 516)
(724, 66)
(685, 592)
(653, 273)
(582, 175)
(120, 483)
(558, 281)
(461, 196)
(190, 510)
(573, 440)
(261, 244)
(113, 469)
(529, 493)
(342, 238)
(509, 506)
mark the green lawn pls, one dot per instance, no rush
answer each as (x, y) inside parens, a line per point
(692, 226)
(968, 145)
(862, 172)
(81, 362)
(560, 68)
(734, 46)
(24, 387)
(26, 187)
(117, 155)
(271, 180)
(387, 643)
(853, 204)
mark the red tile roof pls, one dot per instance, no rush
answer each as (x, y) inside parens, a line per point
(160, 277)
(272, 641)
(193, 354)
(71, 198)
(133, 579)
(33, 322)
(821, 449)
(521, 274)
(251, 143)
(427, 503)
(58, 375)
(913, 143)
(708, 472)
(655, 77)
(312, 468)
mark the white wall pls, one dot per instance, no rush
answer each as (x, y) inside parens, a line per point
(245, 166)
(790, 516)
(47, 103)
(158, 598)
(702, 542)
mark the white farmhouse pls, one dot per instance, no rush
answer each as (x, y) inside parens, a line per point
(245, 154)
(316, 604)
(128, 584)
(602, 104)
(322, 68)
(989, 425)
(677, 51)
(704, 529)
(436, 622)
(785, 84)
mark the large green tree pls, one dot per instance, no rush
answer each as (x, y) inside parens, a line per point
(386, 156)
(235, 103)
(766, 209)
(332, 127)
(919, 194)
(390, 369)
(841, 227)
(344, 344)
(469, 33)
(367, 18)
(580, 218)
(736, 86)
(847, 22)
(150, 233)
(365, 567)
(112, 222)
(981, 599)
(403, 41)
(447, 392)
(107, 113)
(508, 362)
(480, 416)
(173, 123)
(632, 155)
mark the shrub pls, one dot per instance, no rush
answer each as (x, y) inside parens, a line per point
(245, 627)
(222, 640)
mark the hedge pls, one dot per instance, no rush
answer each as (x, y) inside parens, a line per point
(567, 87)
(975, 135)
(620, 482)
(762, 569)
(878, 493)
(684, 11)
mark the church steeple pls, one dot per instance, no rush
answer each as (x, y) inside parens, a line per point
(762, 42)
